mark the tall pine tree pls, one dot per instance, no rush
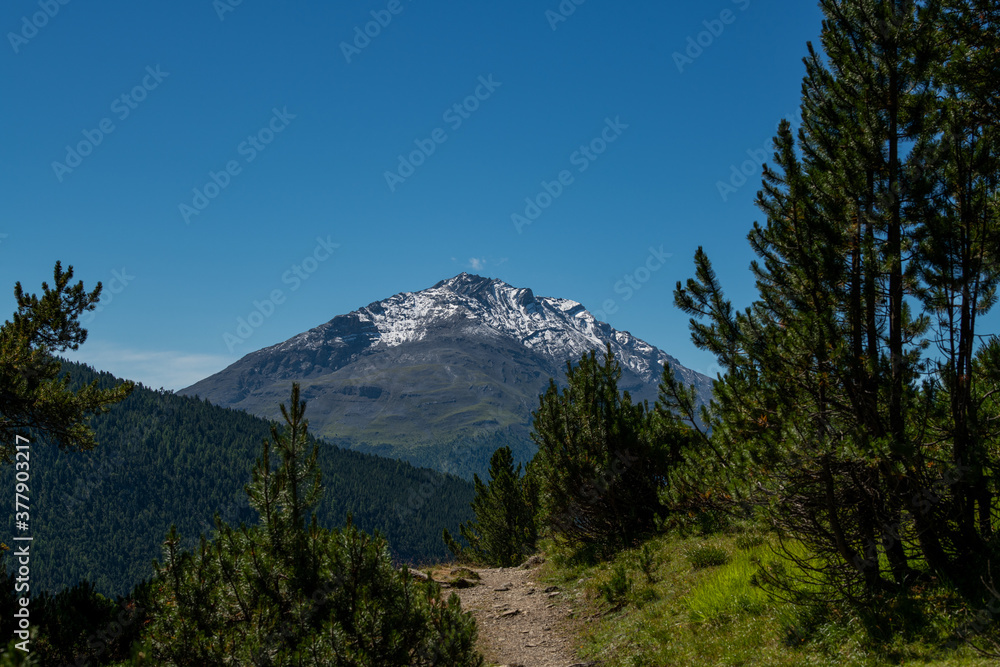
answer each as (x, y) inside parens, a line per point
(831, 409)
(504, 531)
(599, 465)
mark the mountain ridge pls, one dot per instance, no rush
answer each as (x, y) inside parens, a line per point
(486, 291)
(465, 357)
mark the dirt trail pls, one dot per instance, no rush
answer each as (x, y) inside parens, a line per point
(521, 622)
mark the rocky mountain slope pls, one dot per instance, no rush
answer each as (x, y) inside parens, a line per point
(466, 357)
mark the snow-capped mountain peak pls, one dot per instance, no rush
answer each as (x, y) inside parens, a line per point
(554, 327)
(469, 354)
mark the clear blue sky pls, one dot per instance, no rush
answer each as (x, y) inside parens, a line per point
(193, 87)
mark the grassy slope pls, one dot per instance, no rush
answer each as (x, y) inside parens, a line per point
(429, 393)
(713, 615)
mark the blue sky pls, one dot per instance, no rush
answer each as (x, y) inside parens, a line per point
(198, 157)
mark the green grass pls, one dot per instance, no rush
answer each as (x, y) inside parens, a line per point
(730, 592)
(655, 608)
(706, 555)
(399, 418)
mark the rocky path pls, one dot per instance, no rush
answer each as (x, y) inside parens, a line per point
(521, 622)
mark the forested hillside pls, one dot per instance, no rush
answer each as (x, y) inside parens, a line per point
(162, 459)
(463, 456)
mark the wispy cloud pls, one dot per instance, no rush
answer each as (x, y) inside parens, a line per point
(168, 369)
(480, 263)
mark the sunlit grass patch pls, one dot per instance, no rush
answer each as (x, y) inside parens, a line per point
(730, 591)
(675, 614)
(707, 555)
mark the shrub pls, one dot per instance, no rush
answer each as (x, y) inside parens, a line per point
(601, 459)
(286, 592)
(751, 540)
(707, 556)
(648, 563)
(617, 588)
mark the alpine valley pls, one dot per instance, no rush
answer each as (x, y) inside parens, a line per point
(440, 377)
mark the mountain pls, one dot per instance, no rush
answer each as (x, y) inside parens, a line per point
(462, 361)
(102, 515)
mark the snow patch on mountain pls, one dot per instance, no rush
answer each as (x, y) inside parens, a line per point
(557, 328)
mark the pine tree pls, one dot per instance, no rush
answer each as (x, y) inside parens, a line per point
(286, 592)
(598, 468)
(830, 411)
(504, 531)
(34, 401)
(957, 262)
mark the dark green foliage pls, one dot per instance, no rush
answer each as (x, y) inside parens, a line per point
(75, 625)
(10, 656)
(616, 590)
(601, 460)
(79, 623)
(34, 401)
(287, 592)
(504, 531)
(648, 563)
(707, 556)
(165, 458)
(463, 456)
(971, 29)
(882, 240)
